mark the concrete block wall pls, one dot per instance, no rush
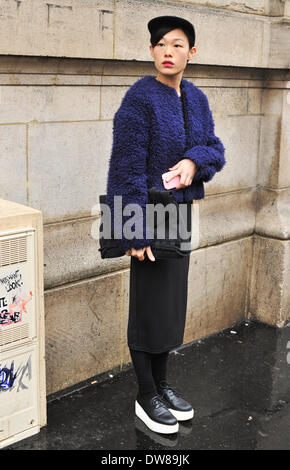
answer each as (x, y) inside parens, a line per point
(62, 80)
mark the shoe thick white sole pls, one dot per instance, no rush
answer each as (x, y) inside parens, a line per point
(153, 425)
(182, 415)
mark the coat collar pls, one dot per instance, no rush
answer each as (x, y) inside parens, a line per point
(167, 88)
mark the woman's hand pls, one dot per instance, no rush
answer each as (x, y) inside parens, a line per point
(140, 253)
(186, 168)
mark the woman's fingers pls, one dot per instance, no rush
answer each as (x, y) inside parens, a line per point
(149, 253)
(140, 254)
(188, 180)
(176, 166)
(172, 175)
(186, 168)
(185, 180)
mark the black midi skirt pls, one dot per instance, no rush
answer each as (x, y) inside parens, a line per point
(158, 302)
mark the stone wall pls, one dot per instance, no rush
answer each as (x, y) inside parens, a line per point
(253, 33)
(64, 69)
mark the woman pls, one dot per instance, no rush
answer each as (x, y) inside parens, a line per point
(163, 124)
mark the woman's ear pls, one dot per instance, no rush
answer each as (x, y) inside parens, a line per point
(192, 51)
(151, 48)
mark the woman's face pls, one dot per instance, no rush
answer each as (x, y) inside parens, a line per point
(174, 47)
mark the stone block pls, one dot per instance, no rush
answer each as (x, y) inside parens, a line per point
(13, 177)
(273, 213)
(270, 281)
(225, 217)
(211, 48)
(83, 330)
(49, 103)
(241, 153)
(71, 252)
(68, 165)
(81, 29)
(218, 288)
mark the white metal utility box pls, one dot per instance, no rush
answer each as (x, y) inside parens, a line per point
(22, 340)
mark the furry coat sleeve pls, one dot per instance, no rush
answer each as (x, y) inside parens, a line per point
(208, 158)
(127, 175)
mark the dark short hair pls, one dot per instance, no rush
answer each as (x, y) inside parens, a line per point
(160, 32)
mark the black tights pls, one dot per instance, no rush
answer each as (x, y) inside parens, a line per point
(150, 369)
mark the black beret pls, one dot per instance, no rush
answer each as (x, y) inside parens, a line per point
(172, 22)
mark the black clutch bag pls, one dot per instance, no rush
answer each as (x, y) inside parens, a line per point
(164, 247)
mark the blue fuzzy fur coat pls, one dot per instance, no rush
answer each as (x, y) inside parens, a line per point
(150, 136)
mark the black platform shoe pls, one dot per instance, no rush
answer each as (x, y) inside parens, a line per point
(155, 414)
(180, 408)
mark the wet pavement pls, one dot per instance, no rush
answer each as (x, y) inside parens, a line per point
(238, 382)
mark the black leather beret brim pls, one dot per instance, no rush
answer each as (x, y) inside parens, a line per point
(172, 21)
